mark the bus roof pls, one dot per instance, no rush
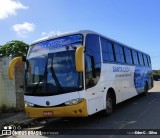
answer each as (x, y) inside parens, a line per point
(63, 34)
(84, 32)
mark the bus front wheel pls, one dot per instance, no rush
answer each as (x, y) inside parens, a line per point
(109, 105)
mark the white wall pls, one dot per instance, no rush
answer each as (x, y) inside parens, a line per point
(7, 86)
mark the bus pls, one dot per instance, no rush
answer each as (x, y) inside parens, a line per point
(81, 73)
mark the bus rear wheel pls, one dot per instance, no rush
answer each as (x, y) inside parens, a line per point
(146, 89)
(109, 105)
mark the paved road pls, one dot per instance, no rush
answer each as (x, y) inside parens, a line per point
(141, 112)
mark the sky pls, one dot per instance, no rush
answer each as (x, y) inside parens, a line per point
(135, 23)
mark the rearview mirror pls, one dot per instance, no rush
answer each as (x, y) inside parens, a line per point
(12, 65)
(79, 59)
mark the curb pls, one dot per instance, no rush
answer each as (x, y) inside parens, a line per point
(22, 124)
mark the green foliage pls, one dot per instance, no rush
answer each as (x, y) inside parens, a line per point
(3, 108)
(14, 48)
(156, 72)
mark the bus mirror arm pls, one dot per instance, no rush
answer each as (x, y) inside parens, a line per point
(12, 65)
(79, 58)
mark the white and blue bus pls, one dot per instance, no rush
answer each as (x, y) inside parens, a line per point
(81, 73)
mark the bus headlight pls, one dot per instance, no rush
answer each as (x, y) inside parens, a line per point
(74, 101)
(28, 104)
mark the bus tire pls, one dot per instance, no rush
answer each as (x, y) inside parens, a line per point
(146, 89)
(109, 105)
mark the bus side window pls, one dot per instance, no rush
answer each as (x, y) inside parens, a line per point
(149, 61)
(145, 60)
(119, 53)
(107, 50)
(92, 60)
(128, 55)
(135, 57)
(140, 58)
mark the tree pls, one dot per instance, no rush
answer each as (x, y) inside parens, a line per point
(14, 48)
(156, 72)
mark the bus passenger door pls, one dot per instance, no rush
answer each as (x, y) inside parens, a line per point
(92, 74)
(93, 86)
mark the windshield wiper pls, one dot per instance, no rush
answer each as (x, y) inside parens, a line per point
(56, 79)
(44, 75)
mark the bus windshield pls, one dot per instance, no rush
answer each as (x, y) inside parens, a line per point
(52, 74)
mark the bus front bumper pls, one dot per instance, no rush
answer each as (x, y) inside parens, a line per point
(78, 110)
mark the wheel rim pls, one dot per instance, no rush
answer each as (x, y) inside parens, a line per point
(109, 105)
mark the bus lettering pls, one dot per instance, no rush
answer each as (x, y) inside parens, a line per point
(120, 69)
